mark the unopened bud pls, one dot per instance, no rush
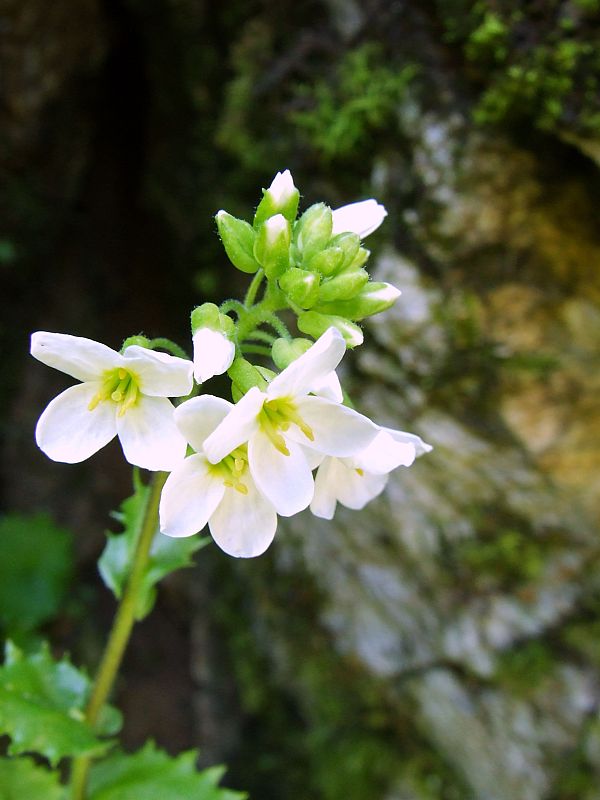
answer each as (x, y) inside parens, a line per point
(315, 324)
(281, 197)
(313, 230)
(272, 246)
(301, 286)
(285, 351)
(372, 299)
(212, 334)
(238, 240)
(343, 287)
(244, 376)
(326, 262)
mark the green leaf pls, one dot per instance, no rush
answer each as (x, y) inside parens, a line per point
(23, 779)
(36, 563)
(166, 554)
(151, 774)
(42, 706)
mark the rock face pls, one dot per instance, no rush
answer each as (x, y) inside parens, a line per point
(441, 644)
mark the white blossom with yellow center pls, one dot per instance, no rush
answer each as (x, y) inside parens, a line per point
(122, 395)
(223, 494)
(283, 425)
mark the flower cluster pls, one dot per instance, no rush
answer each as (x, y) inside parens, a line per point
(252, 460)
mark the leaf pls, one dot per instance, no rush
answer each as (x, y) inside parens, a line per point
(23, 779)
(151, 774)
(166, 554)
(36, 564)
(42, 707)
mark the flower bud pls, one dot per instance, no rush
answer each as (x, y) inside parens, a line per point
(372, 299)
(272, 246)
(361, 218)
(285, 351)
(301, 286)
(315, 324)
(245, 376)
(349, 244)
(313, 230)
(327, 261)
(212, 334)
(280, 198)
(343, 287)
(238, 240)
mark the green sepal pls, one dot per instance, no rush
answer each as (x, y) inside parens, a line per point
(285, 351)
(152, 774)
(244, 376)
(23, 778)
(312, 232)
(359, 260)
(301, 286)
(272, 246)
(238, 240)
(166, 554)
(139, 340)
(270, 205)
(372, 299)
(349, 244)
(343, 287)
(327, 262)
(315, 324)
(42, 704)
(208, 316)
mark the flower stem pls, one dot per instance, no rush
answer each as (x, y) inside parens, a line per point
(253, 288)
(121, 630)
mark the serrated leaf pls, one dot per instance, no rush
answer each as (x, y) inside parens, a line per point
(166, 554)
(42, 706)
(36, 564)
(23, 779)
(154, 775)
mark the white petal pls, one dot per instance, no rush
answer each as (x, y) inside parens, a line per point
(325, 499)
(213, 353)
(338, 430)
(197, 418)
(149, 436)
(284, 480)
(420, 446)
(354, 490)
(159, 374)
(362, 218)
(313, 457)
(311, 368)
(330, 388)
(281, 188)
(189, 497)
(243, 525)
(82, 358)
(236, 428)
(68, 431)
(384, 454)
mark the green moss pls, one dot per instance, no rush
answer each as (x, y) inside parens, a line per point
(522, 669)
(359, 97)
(510, 557)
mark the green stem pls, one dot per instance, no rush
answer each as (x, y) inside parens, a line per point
(253, 288)
(171, 347)
(121, 630)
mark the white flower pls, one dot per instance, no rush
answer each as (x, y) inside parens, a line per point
(213, 353)
(124, 395)
(355, 481)
(362, 218)
(280, 423)
(242, 522)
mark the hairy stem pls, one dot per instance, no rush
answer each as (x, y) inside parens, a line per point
(121, 630)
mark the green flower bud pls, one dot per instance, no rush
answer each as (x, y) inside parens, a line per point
(245, 376)
(281, 197)
(285, 351)
(327, 261)
(272, 246)
(315, 324)
(372, 299)
(349, 244)
(208, 316)
(313, 230)
(139, 340)
(238, 240)
(343, 287)
(301, 286)
(359, 260)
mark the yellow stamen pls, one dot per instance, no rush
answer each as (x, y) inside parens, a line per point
(118, 385)
(359, 471)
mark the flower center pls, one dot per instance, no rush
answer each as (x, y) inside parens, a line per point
(120, 386)
(277, 415)
(232, 469)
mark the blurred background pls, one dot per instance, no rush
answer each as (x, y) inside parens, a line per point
(444, 643)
